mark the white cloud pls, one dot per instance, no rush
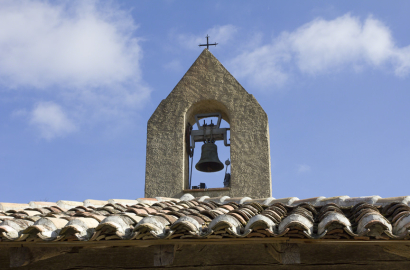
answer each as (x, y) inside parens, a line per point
(218, 34)
(82, 53)
(320, 45)
(303, 168)
(51, 120)
(263, 65)
(323, 46)
(403, 61)
(43, 44)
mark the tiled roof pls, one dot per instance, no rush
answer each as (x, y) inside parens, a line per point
(361, 218)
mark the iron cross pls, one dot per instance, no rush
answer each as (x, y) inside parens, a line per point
(207, 43)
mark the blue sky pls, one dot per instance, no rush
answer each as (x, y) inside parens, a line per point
(80, 79)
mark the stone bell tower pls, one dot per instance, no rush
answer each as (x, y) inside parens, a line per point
(207, 87)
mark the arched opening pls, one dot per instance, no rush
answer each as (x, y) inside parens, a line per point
(207, 106)
(213, 179)
(193, 177)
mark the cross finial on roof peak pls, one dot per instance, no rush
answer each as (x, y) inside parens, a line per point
(207, 43)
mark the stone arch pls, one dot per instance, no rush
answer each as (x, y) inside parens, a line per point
(207, 106)
(201, 107)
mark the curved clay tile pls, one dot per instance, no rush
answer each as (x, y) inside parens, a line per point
(11, 229)
(296, 220)
(118, 225)
(188, 224)
(260, 222)
(46, 228)
(154, 225)
(82, 228)
(332, 218)
(224, 222)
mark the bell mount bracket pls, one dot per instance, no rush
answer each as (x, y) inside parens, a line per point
(205, 132)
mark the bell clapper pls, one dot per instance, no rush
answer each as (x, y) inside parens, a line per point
(227, 179)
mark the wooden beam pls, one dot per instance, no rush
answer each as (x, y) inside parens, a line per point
(290, 253)
(284, 253)
(220, 257)
(274, 251)
(21, 256)
(400, 250)
(164, 255)
(221, 241)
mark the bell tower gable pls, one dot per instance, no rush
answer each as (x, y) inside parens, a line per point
(207, 87)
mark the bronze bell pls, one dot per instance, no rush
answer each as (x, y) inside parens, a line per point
(209, 161)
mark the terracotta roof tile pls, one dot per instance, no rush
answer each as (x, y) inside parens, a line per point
(402, 199)
(238, 200)
(94, 203)
(41, 204)
(342, 217)
(214, 199)
(147, 200)
(264, 201)
(285, 201)
(313, 201)
(123, 202)
(69, 204)
(12, 206)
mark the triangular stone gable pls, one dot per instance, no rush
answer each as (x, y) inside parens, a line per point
(208, 87)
